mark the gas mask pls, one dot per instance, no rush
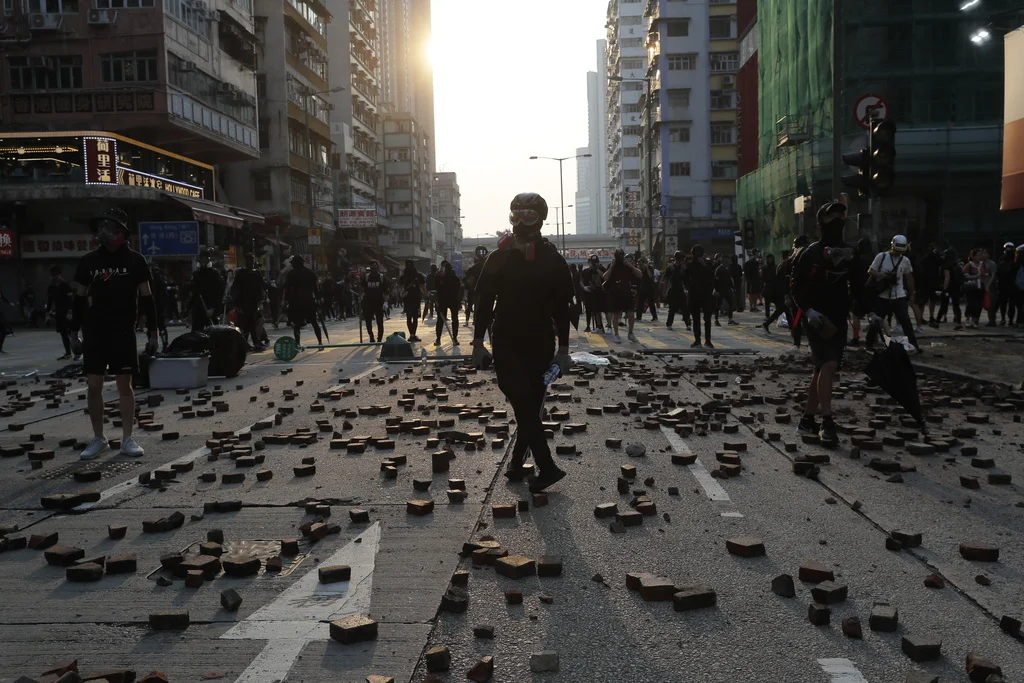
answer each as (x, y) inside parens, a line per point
(110, 235)
(832, 231)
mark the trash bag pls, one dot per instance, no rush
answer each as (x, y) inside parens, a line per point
(227, 349)
(893, 372)
(783, 322)
(188, 345)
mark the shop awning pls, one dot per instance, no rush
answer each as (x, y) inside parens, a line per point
(211, 212)
(250, 217)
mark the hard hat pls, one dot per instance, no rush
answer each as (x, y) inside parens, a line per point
(899, 243)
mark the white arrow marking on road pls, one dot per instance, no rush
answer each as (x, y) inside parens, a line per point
(303, 612)
(711, 487)
(842, 671)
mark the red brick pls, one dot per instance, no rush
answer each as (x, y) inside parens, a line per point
(745, 547)
(979, 552)
(815, 572)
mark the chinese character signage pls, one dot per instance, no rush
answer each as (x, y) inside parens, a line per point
(586, 253)
(54, 246)
(6, 243)
(100, 160)
(357, 218)
(132, 178)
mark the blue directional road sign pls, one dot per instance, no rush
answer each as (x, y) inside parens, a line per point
(169, 238)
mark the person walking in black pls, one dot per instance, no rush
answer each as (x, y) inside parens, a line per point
(647, 291)
(412, 284)
(430, 302)
(1006, 286)
(700, 286)
(448, 289)
(674, 283)
(111, 282)
(159, 287)
(274, 298)
(952, 286)
(207, 288)
(302, 293)
(59, 298)
(375, 291)
(592, 283)
(525, 289)
(725, 292)
(821, 289)
(752, 274)
(472, 277)
(248, 292)
(785, 284)
(736, 271)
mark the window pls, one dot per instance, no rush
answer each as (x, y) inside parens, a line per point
(189, 14)
(722, 27)
(123, 4)
(262, 188)
(680, 206)
(632, 86)
(723, 206)
(632, 63)
(677, 28)
(723, 133)
(724, 61)
(631, 174)
(682, 62)
(297, 142)
(632, 42)
(631, 108)
(631, 152)
(205, 88)
(264, 133)
(128, 67)
(633, 20)
(632, 130)
(679, 134)
(679, 97)
(49, 6)
(723, 170)
(46, 73)
(723, 99)
(310, 15)
(299, 190)
(679, 168)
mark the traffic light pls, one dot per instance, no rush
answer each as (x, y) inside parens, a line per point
(748, 233)
(883, 155)
(861, 180)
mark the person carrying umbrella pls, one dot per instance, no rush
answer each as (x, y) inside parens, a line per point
(821, 289)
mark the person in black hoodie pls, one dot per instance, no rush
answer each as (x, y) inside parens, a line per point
(411, 285)
(375, 289)
(449, 292)
(302, 292)
(860, 307)
(700, 285)
(59, 299)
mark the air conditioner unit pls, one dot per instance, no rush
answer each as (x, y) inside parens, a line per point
(187, 67)
(729, 80)
(329, 106)
(225, 88)
(102, 17)
(45, 22)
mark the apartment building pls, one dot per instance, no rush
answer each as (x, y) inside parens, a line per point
(592, 183)
(694, 57)
(447, 200)
(408, 176)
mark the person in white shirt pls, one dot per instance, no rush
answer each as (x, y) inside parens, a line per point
(893, 280)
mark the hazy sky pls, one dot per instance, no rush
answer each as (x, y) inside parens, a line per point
(510, 81)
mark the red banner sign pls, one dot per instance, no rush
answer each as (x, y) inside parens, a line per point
(6, 243)
(55, 246)
(100, 160)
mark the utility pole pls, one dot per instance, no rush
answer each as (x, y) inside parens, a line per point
(561, 191)
(650, 171)
(837, 97)
(309, 171)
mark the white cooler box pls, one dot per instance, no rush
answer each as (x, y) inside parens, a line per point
(178, 373)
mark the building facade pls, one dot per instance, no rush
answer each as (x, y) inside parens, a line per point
(625, 58)
(447, 201)
(291, 182)
(693, 63)
(746, 88)
(591, 182)
(408, 176)
(943, 91)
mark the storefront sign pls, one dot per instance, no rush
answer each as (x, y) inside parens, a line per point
(6, 243)
(100, 161)
(231, 258)
(56, 246)
(132, 178)
(313, 237)
(586, 253)
(357, 218)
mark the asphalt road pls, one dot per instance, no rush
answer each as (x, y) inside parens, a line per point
(402, 565)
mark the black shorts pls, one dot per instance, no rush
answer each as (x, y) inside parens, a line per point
(114, 352)
(300, 316)
(621, 301)
(831, 350)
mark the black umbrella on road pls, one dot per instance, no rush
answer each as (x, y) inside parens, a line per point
(574, 314)
(891, 370)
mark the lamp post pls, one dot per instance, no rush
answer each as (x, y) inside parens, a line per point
(561, 182)
(649, 144)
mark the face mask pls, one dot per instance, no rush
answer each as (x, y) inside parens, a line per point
(110, 237)
(832, 232)
(526, 233)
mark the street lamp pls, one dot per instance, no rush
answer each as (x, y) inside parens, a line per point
(649, 144)
(561, 183)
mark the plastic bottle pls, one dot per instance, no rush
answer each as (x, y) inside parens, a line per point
(552, 374)
(423, 360)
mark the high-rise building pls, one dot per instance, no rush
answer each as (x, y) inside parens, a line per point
(746, 88)
(408, 178)
(943, 91)
(625, 58)
(448, 209)
(291, 182)
(591, 199)
(694, 58)
(356, 121)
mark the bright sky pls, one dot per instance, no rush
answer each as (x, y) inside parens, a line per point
(510, 81)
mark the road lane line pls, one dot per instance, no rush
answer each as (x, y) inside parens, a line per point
(841, 671)
(711, 487)
(302, 612)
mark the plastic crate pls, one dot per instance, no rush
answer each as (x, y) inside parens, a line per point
(178, 373)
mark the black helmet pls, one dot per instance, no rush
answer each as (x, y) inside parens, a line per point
(112, 215)
(481, 251)
(678, 255)
(801, 241)
(521, 207)
(697, 251)
(298, 260)
(829, 209)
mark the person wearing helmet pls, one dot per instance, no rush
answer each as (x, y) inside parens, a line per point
(111, 282)
(471, 278)
(821, 290)
(375, 288)
(674, 284)
(411, 285)
(525, 288)
(1006, 286)
(430, 303)
(752, 274)
(700, 287)
(448, 287)
(302, 293)
(592, 283)
(784, 278)
(892, 279)
(619, 280)
(247, 293)
(207, 288)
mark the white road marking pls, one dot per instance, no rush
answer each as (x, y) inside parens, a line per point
(841, 671)
(732, 514)
(302, 613)
(711, 487)
(124, 486)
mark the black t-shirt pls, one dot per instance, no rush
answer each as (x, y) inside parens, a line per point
(821, 280)
(592, 277)
(473, 275)
(412, 283)
(59, 299)
(302, 287)
(112, 280)
(449, 288)
(675, 276)
(374, 289)
(700, 277)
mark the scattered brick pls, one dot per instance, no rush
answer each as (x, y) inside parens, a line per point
(656, 588)
(354, 629)
(852, 628)
(819, 615)
(907, 538)
(482, 670)
(419, 508)
(515, 566)
(884, 617)
(921, 648)
(745, 547)
(514, 597)
(122, 564)
(63, 556)
(1010, 625)
(979, 552)
(693, 597)
(980, 669)
(782, 586)
(982, 580)
(503, 511)
(629, 518)
(983, 463)
(359, 516)
(438, 658)
(484, 632)
(116, 533)
(999, 478)
(455, 600)
(335, 573)
(539, 499)
(829, 593)
(207, 564)
(544, 661)
(815, 572)
(549, 566)
(606, 510)
(88, 571)
(934, 581)
(169, 620)
(304, 470)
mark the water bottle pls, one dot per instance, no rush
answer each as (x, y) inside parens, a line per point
(423, 360)
(552, 374)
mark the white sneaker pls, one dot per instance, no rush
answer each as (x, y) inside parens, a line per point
(618, 339)
(95, 447)
(632, 337)
(793, 349)
(131, 447)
